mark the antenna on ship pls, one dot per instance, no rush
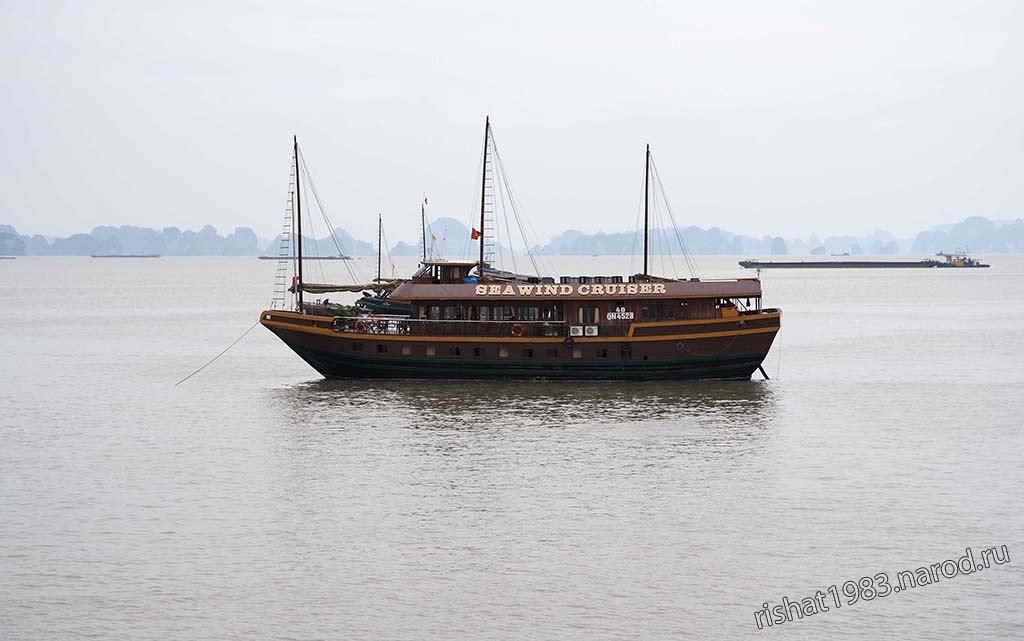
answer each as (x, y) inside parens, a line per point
(298, 218)
(483, 192)
(647, 185)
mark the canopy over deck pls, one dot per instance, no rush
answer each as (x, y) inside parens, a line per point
(326, 288)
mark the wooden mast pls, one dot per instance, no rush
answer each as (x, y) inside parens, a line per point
(298, 205)
(483, 194)
(647, 183)
(423, 226)
(380, 248)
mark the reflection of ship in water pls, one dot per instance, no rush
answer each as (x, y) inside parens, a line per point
(485, 405)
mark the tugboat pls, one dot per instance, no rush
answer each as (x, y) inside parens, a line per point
(468, 320)
(959, 259)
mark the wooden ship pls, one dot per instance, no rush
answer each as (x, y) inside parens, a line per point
(467, 320)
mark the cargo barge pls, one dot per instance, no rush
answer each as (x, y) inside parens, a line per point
(950, 261)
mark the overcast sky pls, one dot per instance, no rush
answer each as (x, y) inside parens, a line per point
(764, 117)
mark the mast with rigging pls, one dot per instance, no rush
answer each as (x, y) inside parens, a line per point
(298, 218)
(423, 226)
(380, 247)
(483, 193)
(647, 184)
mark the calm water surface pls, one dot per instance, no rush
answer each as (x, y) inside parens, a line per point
(259, 501)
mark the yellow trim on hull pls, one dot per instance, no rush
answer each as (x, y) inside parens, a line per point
(703, 321)
(323, 331)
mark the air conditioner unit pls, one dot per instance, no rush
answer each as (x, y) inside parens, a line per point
(591, 330)
(576, 330)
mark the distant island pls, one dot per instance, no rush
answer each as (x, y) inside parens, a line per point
(450, 237)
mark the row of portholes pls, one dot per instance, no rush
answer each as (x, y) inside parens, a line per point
(478, 352)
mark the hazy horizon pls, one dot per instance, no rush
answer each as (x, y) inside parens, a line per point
(785, 120)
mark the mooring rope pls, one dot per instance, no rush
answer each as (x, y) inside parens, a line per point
(209, 362)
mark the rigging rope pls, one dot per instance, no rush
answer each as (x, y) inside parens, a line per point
(691, 264)
(387, 252)
(351, 269)
(508, 232)
(503, 175)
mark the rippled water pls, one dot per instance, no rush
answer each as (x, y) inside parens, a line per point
(260, 501)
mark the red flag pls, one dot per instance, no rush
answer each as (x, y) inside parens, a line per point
(475, 235)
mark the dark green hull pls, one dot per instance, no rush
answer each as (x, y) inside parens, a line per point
(333, 363)
(341, 366)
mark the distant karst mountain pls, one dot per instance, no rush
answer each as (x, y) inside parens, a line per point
(975, 233)
(128, 239)
(450, 237)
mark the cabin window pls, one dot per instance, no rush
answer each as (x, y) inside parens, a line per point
(602, 353)
(451, 312)
(589, 315)
(648, 312)
(357, 347)
(552, 313)
(502, 353)
(431, 351)
(528, 353)
(435, 312)
(552, 353)
(406, 350)
(477, 351)
(668, 311)
(577, 353)
(502, 313)
(381, 349)
(455, 351)
(485, 313)
(529, 313)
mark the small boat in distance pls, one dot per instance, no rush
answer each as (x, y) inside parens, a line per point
(125, 256)
(340, 257)
(955, 261)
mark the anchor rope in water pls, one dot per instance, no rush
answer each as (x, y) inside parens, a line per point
(210, 362)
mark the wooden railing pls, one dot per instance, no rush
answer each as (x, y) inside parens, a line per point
(424, 327)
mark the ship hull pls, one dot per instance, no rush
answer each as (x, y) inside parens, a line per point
(726, 350)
